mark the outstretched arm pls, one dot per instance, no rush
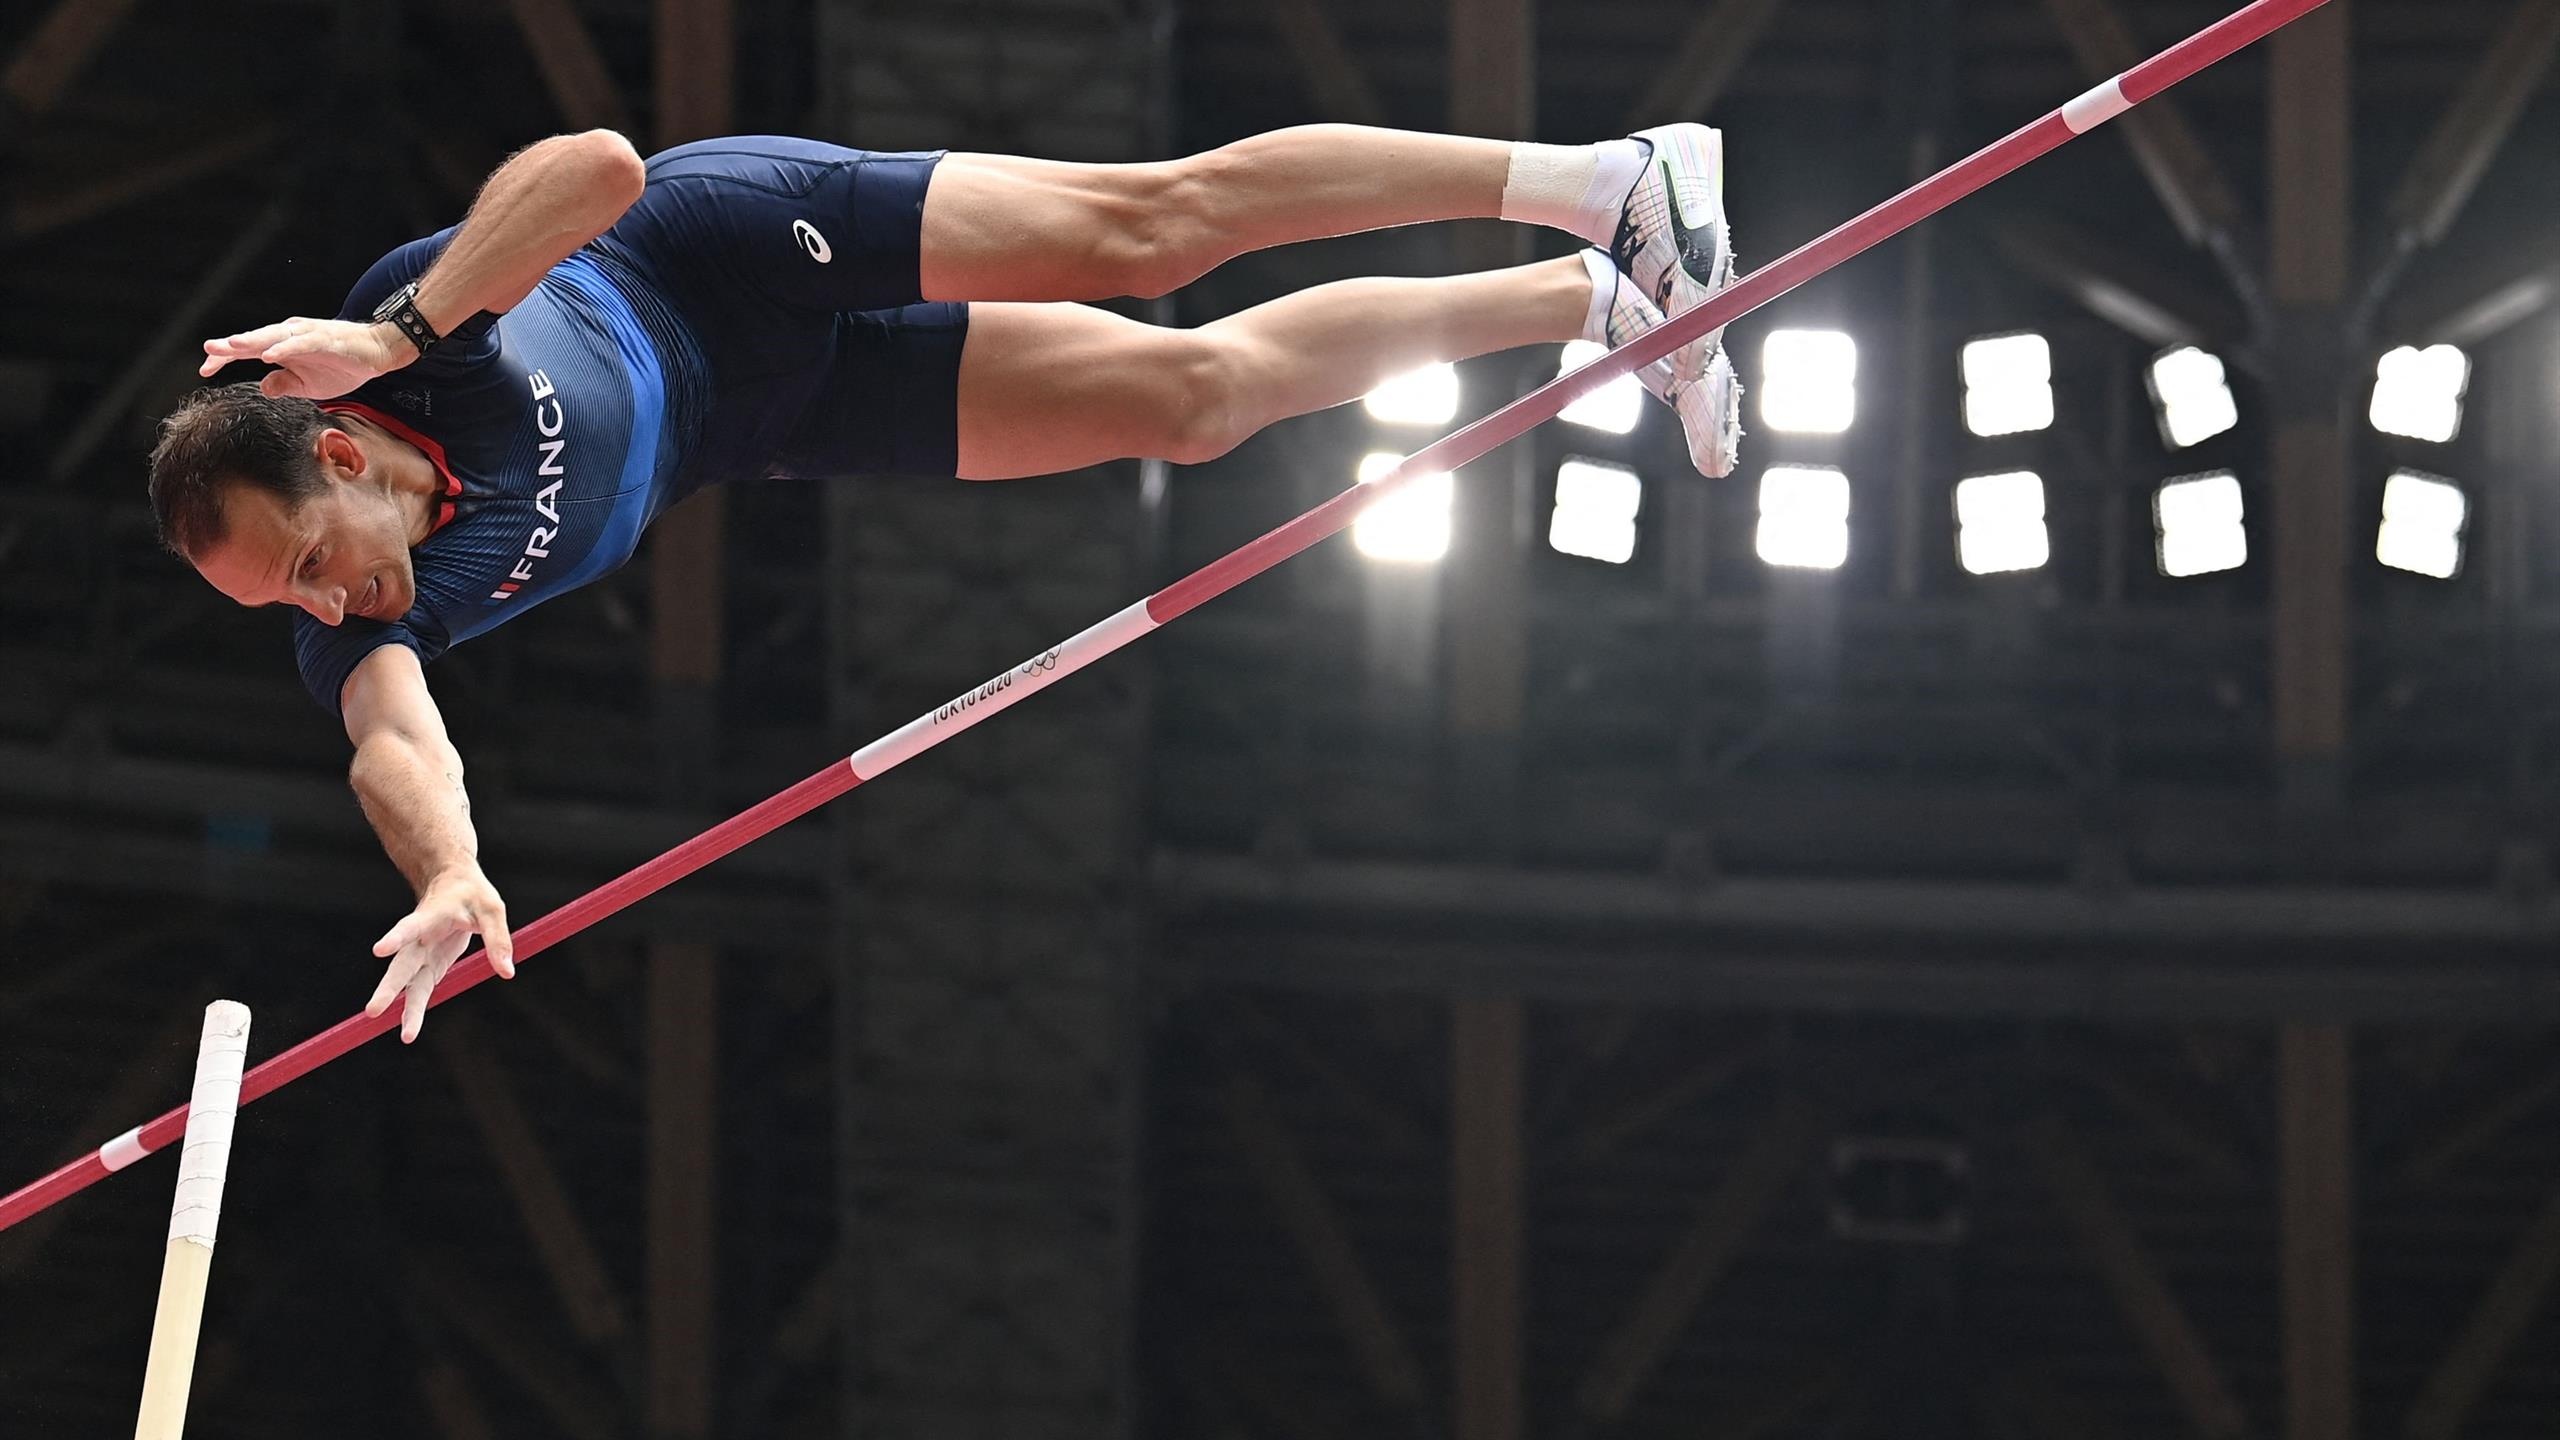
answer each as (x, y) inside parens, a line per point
(408, 776)
(547, 200)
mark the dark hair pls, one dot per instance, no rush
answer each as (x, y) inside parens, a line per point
(224, 435)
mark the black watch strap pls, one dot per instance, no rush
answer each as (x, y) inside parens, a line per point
(401, 309)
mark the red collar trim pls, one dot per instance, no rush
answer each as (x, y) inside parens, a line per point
(433, 451)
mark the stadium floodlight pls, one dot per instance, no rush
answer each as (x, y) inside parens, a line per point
(1808, 381)
(2418, 393)
(2000, 522)
(1410, 527)
(2008, 384)
(1595, 515)
(2422, 520)
(2198, 519)
(1804, 517)
(1428, 396)
(2193, 396)
(1613, 407)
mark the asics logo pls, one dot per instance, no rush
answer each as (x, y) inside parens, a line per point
(811, 241)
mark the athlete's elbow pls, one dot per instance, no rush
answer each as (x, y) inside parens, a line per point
(618, 169)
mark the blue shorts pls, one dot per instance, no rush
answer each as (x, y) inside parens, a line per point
(795, 266)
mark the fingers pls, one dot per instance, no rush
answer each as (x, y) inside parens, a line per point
(411, 926)
(413, 1006)
(500, 942)
(247, 345)
(394, 978)
(434, 959)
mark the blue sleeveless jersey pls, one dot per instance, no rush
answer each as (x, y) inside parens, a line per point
(560, 431)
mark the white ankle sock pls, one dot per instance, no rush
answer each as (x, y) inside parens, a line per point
(1604, 293)
(1572, 187)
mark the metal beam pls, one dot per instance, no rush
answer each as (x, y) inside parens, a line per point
(2310, 229)
(50, 62)
(1487, 1223)
(2353, 919)
(1388, 1122)
(1711, 53)
(2200, 201)
(1340, 88)
(157, 1071)
(572, 68)
(1605, 1135)
(696, 47)
(2469, 306)
(577, 1405)
(2115, 284)
(683, 1165)
(2315, 1168)
(32, 215)
(1385, 1355)
(695, 52)
(2450, 1146)
(1492, 91)
(560, 1239)
(2134, 1281)
(2483, 112)
(325, 880)
(1731, 1212)
(2184, 1136)
(185, 324)
(2515, 1295)
(2030, 980)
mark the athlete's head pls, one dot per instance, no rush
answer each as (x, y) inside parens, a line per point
(277, 503)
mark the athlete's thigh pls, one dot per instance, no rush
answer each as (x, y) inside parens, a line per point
(796, 223)
(1051, 387)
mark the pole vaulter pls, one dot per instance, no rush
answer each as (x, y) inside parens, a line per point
(2092, 108)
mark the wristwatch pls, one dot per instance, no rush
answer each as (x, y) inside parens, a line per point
(401, 309)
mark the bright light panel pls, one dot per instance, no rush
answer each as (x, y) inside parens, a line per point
(1613, 407)
(1409, 527)
(2193, 396)
(2008, 384)
(2198, 518)
(1595, 515)
(1808, 381)
(1428, 396)
(2000, 522)
(2422, 519)
(2418, 393)
(1804, 517)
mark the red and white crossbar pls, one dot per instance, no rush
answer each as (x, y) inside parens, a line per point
(2100, 104)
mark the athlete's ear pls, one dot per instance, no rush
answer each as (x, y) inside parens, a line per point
(340, 457)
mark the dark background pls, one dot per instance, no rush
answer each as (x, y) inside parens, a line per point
(1519, 997)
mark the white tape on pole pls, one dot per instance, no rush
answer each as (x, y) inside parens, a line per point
(2096, 106)
(122, 1150)
(1001, 693)
(211, 1112)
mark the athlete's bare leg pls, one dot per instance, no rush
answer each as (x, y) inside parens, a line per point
(1045, 388)
(998, 227)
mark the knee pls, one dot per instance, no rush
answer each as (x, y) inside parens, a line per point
(1161, 233)
(1207, 404)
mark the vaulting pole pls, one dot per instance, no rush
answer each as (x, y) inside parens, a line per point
(187, 1267)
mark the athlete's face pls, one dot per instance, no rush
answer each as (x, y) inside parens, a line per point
(344, 552)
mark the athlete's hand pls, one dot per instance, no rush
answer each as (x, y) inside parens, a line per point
(318, 359)
(454, 907)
